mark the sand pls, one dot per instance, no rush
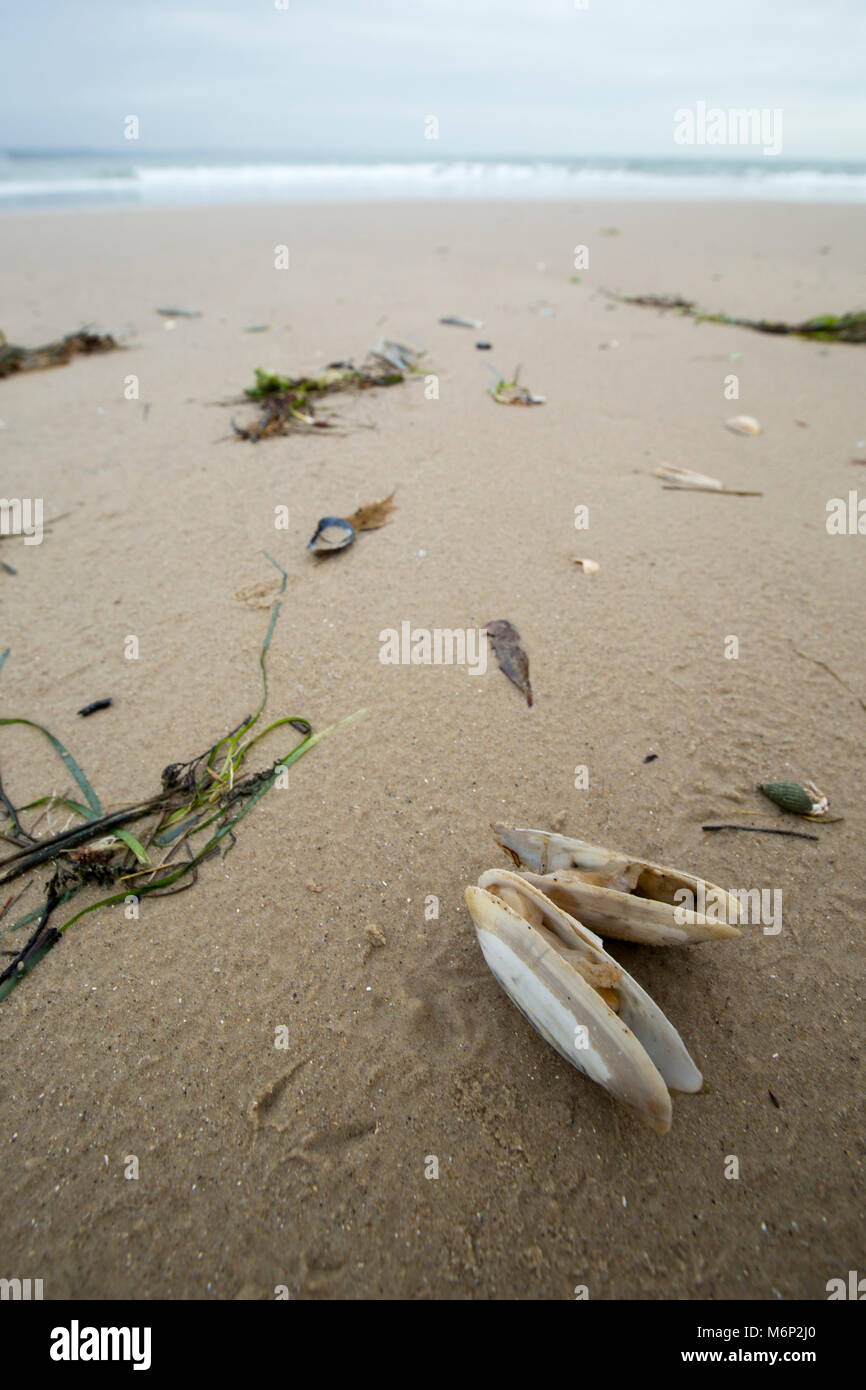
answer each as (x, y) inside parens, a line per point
(305, 1167)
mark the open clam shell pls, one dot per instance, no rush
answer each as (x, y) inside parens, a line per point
(620, 896)
(581, 1001)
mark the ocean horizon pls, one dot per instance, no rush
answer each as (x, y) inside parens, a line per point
(34, 179)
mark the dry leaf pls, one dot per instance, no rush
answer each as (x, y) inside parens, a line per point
(372, 515)
(510, 656)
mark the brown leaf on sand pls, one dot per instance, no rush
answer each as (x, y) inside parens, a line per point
(510, 656)
(372, 514)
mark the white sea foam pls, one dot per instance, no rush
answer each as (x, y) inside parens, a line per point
(92, 180)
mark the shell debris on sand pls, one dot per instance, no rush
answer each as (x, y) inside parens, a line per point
(801, 800)
(619, 895)
(743, 424)
(578, 998)
(332, 533)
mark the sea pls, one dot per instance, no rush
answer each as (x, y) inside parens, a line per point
(86, 178)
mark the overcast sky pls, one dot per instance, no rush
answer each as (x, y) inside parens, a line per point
(358, 77)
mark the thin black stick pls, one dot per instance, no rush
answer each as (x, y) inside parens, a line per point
(763, 830)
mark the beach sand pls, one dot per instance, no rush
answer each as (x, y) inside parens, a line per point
(305, 1166)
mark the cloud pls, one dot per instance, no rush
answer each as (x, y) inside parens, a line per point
(504, 76)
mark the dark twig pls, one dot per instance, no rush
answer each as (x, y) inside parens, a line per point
(763, 830)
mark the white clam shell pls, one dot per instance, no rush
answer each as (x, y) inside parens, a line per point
(541, 956)
(743, 424)
(620, 896)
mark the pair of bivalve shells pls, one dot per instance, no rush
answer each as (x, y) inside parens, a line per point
(534, 927)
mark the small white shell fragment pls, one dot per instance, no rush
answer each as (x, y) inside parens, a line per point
(686, 477)
(743, 424)
(460, 321)
(588, 566)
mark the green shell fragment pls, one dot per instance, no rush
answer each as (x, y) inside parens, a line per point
(791, 796)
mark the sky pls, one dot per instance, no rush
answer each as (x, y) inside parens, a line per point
(312, 78)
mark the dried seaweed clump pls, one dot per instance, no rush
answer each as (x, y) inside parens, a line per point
(199, 804)
(56, 354)
(289, 403)
(824, 328)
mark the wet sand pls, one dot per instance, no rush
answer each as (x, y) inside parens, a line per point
(305, 1166)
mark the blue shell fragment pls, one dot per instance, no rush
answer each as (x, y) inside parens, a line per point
(332, 533)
